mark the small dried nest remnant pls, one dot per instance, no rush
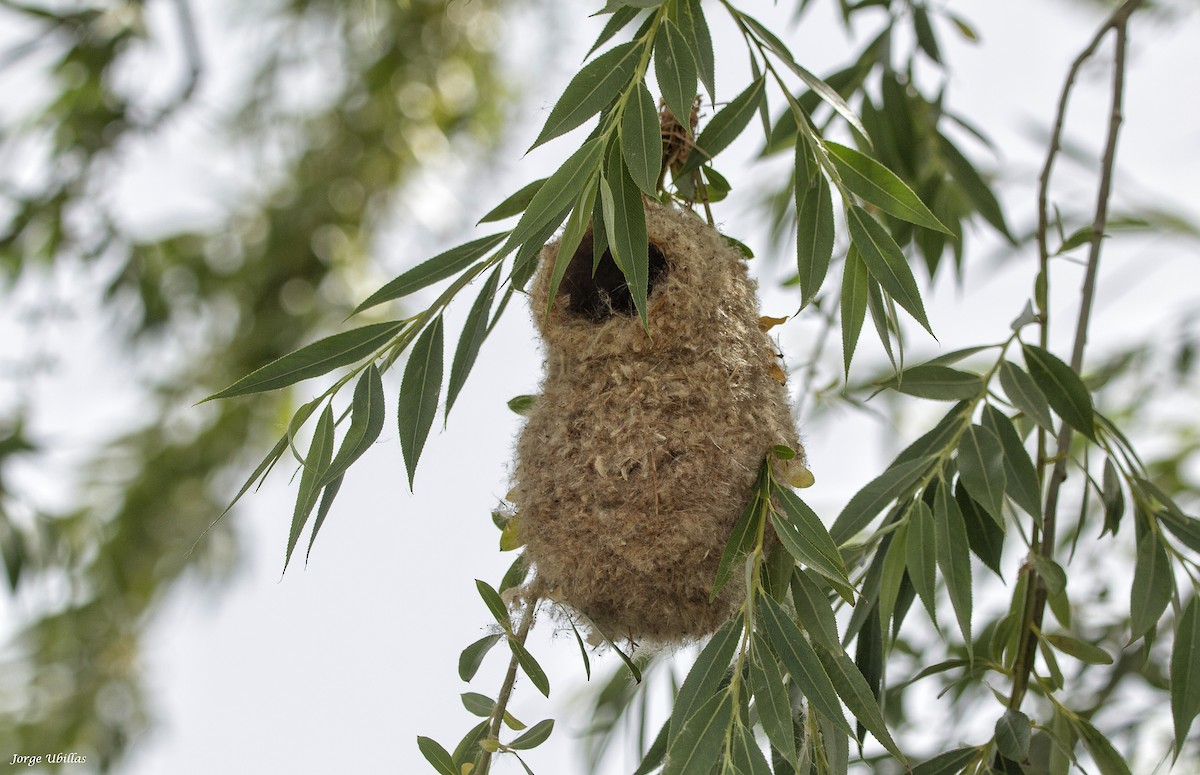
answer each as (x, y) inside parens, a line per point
(677, 140)
(640, 454)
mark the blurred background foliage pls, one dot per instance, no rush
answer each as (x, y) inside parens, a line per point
(203, 304)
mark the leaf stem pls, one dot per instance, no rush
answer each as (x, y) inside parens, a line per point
(1035, 595)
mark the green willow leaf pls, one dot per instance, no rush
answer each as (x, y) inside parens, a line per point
(747, 757)
(1108, 761)
(855, 289)
(1063, 389)
(948, 763)
(1013, 735)
(495, 604)
(981, 468)
(1113, 498)
(429, 272)
(627, 232)
(940, 383)
(985, 535)
(729, 122)
(922, 555)
(771, 698)
(617, 22)
(953, 557)
(814, 226)
(587, 663)
(478, 704)
(1020, 476)
(655, 753)
(928, 43)
(806, 538)
(537, 734)
(472, 656)
(475, 331)
(814, 609)
(1185, 672)
(1025, 395)
(1153, 584)
(675, 69)
(320, 452)
(330, 492)
(741, 541)
(886, 262)
(641, 140)
(563, 187)
(437, 756)
(468, 748)
(868, 502)
(537, 676)
(515, 204)
(695, 30)
(974, 186)
(801, 662)
(704, 677)
(366, 423)
(592, 88)
(577, 224)
(700, 739)
(419, 391)
(1085, 652)
(878, 185)
(856, 693)
(320, 357)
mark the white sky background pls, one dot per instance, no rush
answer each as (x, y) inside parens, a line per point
(340, 665)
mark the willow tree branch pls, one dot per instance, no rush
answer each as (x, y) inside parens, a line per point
(1035, 594)
(506, 688)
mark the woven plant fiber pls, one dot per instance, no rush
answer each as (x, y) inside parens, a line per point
(641, 451)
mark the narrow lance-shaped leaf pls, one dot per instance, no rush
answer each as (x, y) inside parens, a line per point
(706, 673)
(577, 223)
(881, 187)
(419, 391)
(563, 187)
(807, 539)
(937, 382)
(1025, 395)
(854, 691)
(514, 204)
(771, 698)
(814, 609)
(330, 492)
(726, 125)
(320, 452)
(922, 555)
(698, 743)
(1020, 476)
(366, 422)
(618, 21)
(866, 504)
(1063, 389)
(741, 540)
(475, 331)
(1153, 584)
(627, 233)
(1185, 672)
(592, 88)
(537, 734)
(437, 268)
(320, 357)
(1113, 497)
(948, 763)
(695, 30)
(746, 756)
(801, 662)
(981, 468)
(641, 140)
(495, 604)
(472, 656)
(886, 263)
(855, 289)
(953, 557)
(436, 755)
(675, 69)
(1108, 760)
(537, 676)
(974, 186)
(814, 225)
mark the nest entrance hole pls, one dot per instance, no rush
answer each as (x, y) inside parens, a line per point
(599, 295)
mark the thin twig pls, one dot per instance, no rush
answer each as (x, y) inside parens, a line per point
(506, 689)
(1035, 595)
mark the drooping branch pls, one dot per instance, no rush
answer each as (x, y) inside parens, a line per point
(506, 689)
(1035, 600)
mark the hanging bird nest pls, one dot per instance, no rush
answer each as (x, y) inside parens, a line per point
(641, 451)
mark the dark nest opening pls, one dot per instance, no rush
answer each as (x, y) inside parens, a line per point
(599, 295)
